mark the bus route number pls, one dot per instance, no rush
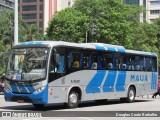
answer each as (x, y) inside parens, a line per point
(75, 81)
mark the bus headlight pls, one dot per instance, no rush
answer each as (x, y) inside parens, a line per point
(39, 90)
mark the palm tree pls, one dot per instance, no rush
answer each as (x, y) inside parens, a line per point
(6, 27)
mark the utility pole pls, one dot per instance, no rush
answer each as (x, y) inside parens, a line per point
(15, 22)
(86, 36)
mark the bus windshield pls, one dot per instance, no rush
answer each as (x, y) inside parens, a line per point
(27, 64)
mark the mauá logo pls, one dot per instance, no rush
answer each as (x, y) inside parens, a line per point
(139, 78)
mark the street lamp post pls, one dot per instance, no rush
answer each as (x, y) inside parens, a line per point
(15, 22)
(86, 36)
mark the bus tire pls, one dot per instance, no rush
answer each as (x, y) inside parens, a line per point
(130, 96)
(73, 100)
(38, 105)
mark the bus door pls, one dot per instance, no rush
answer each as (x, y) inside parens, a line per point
(57, 63)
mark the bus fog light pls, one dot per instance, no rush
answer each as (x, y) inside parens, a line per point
(39, 90)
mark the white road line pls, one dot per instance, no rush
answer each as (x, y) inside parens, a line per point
(42, 118)
(86, 118)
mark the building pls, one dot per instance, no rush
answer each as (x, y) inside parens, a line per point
(153, 10)
(39, 12)
(151, 7)
(6, 4)
(141, 3)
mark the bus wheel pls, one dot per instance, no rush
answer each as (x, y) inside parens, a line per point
(73, 100)
(38, 105)
(130, 96)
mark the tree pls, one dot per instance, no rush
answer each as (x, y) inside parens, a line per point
(68, 25)
(157, 22)
(113, 19)
(30, 33)
(107, 21)
(26, 32)
(6, 27)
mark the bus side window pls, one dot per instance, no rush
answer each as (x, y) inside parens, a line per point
(109, 61)
(75, 60)
(130, 62)
(148, 64)
(154, 64)
(85, 60)
(94, 61)
(123, 62)
(60, 68)
(101, 64)
(116, 62)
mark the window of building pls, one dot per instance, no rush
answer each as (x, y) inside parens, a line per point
(29, 16)
(152, 20)
(154, 3)
(29, 8)
(155, 12)
(41, 7)
(29, 0)
(132, 2)
(31, 23)
(40, 24)
(41, 16)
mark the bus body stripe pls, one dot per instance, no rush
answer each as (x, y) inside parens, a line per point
(154, 81)
(121, 81)
(95, 83)
(100, 48)
(111, 49)
(22, 88)
(31, 43)
(14, 87)
(30, 87)
(121, 50)
(108, 86)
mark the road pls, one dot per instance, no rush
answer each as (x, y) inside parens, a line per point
(113, 109)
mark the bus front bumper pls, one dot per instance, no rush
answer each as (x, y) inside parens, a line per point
(34, 98)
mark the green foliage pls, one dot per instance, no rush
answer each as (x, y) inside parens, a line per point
(30, 33)
(6, 27)
(26, 33)
(116, 23)
(68, 25)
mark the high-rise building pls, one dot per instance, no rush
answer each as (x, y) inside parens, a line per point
(39, 12)
(151, 9)
(141, 3)
(6, 4)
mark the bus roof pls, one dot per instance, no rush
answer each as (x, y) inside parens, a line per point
(97, 46)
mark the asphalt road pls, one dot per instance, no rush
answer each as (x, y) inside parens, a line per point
(142, 108)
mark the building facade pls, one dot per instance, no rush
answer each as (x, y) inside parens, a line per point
(6, 4)
(141, 3)
(151, 9)
(39, 12)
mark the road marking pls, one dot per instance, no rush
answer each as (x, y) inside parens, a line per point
(86, 118)
(42, 118)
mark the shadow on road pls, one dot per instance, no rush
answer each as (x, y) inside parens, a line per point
(62, 107)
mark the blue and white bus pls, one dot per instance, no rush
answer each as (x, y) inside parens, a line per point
(44, 72)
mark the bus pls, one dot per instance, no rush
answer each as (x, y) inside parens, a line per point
(44, 72)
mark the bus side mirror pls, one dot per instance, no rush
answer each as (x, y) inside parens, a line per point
(56, 58)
